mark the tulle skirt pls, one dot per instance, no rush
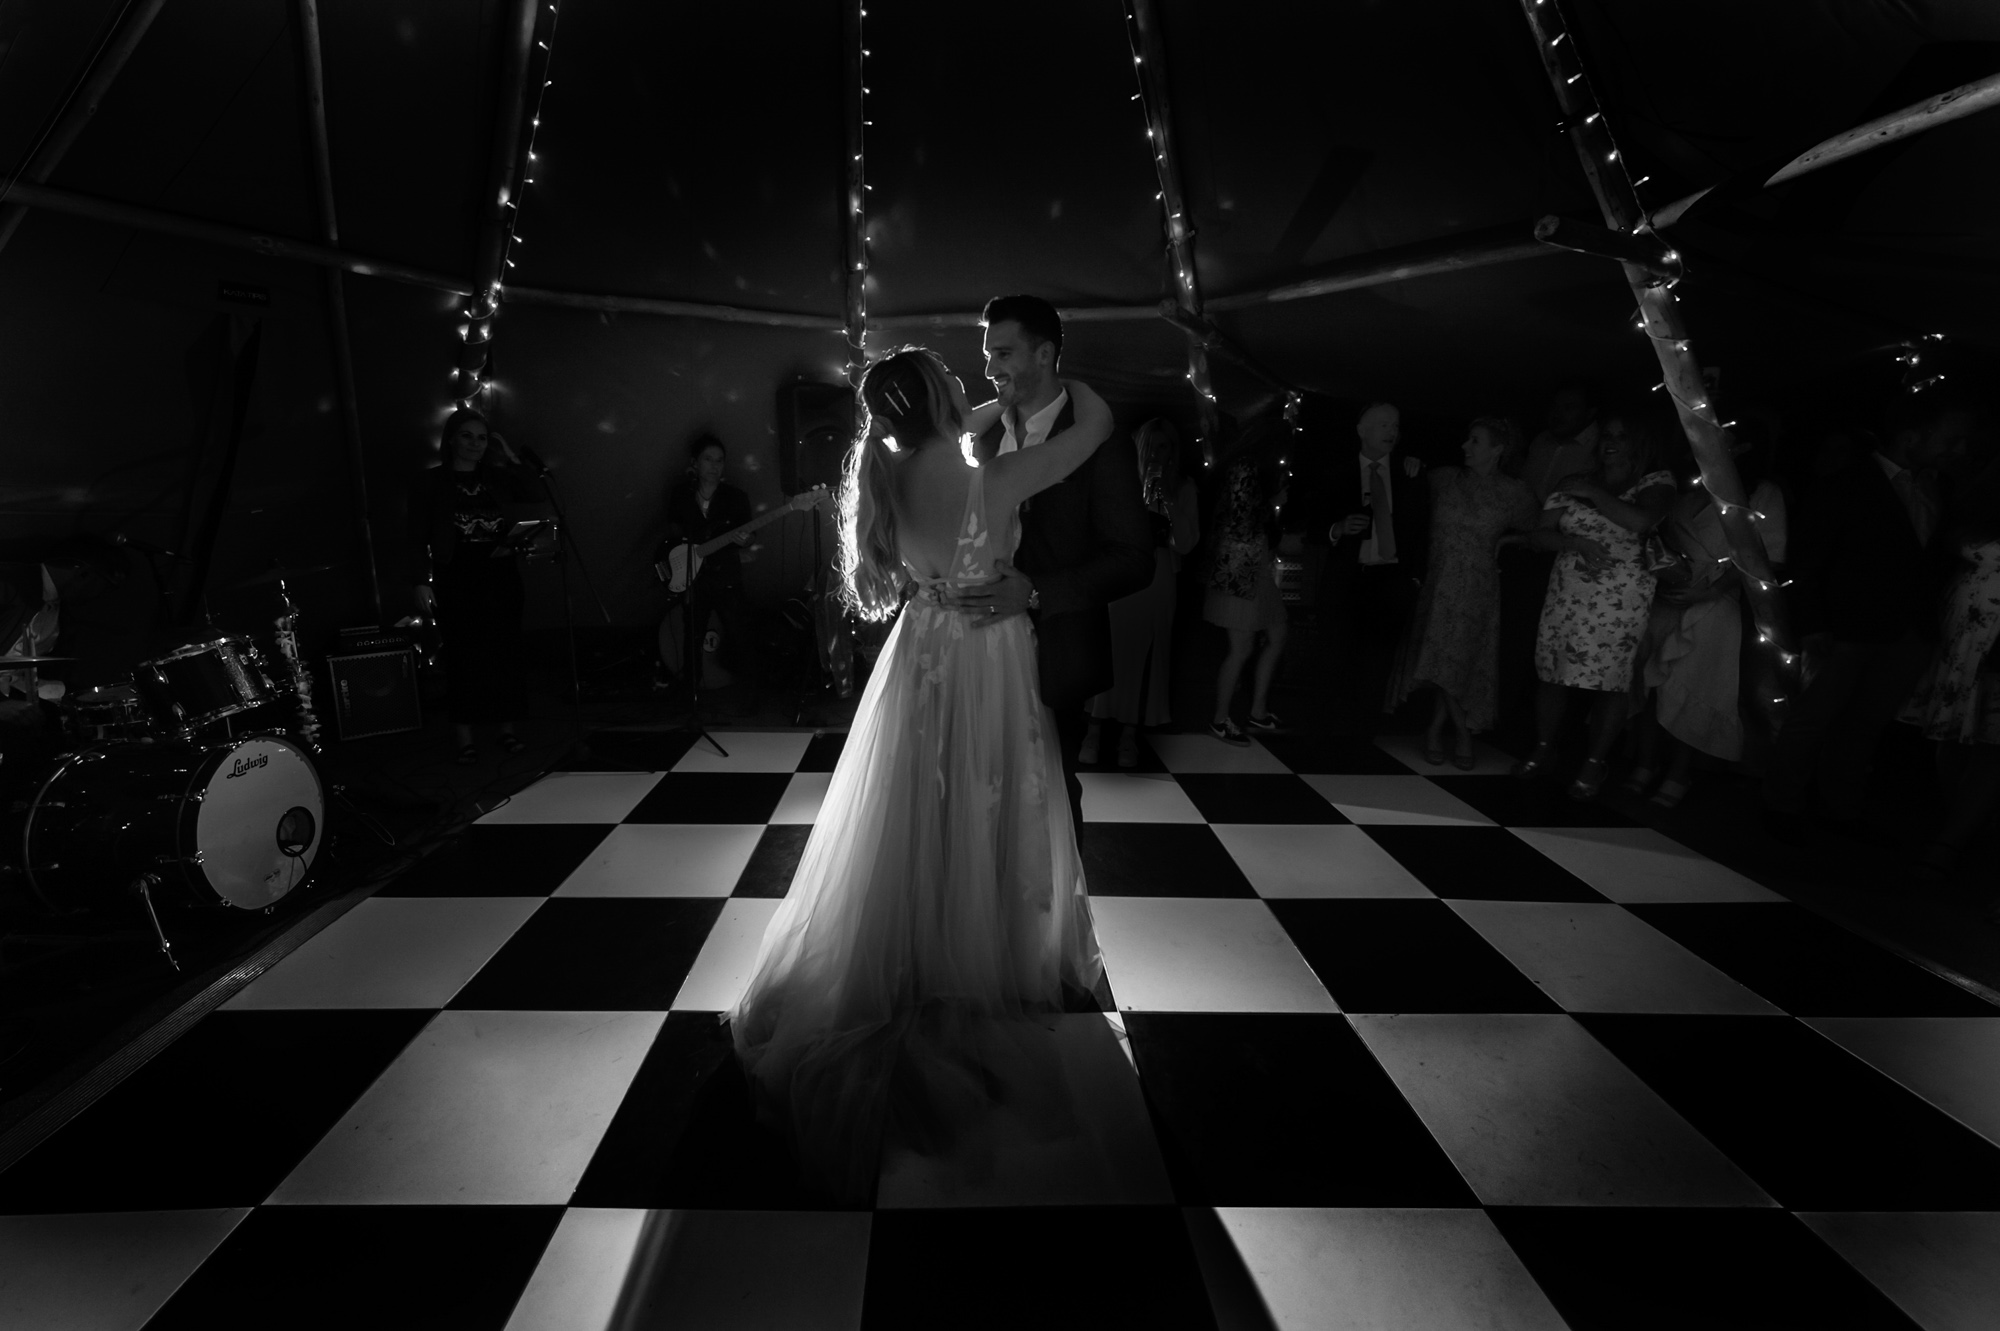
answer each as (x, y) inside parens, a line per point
(940, 901)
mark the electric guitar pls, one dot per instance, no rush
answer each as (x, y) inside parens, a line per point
(677, 564)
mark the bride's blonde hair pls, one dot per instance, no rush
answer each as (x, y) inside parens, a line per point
(905, 399)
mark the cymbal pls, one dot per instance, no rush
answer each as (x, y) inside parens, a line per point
(269, 576)
(18, 662)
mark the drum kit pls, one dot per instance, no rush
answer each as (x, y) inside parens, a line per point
(194, 780)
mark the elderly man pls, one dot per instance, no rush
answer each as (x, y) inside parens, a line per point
(1376, 565)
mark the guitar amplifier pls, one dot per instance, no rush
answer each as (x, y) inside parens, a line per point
(375, 688)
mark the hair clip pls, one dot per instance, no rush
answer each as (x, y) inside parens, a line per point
(893, 394)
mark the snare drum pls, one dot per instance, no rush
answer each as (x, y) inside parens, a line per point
(236, 824)
(202, 683)
(110, 712)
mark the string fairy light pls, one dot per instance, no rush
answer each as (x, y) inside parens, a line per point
(475, 379)
(858, 189)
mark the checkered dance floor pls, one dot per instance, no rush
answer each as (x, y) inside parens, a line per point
(1392, 1046)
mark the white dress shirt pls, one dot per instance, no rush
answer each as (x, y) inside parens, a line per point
(1036, 428)
(1385, 512)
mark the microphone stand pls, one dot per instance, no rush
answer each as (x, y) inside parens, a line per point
(567, 546)
(691, 662)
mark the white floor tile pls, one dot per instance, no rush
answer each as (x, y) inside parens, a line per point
(1940, 1267)
(749, 751)
(577, 797)
(1534, 1112)
(494, 1108)
(1150, 798)
(103, 1272)
(1179, 954)
(1396, 799)
(1603, 958)
(1415, 1269)
(1071, 1129)
(665, 860)
(1198, 752)
(582, 1274)
(802, 798)
(1288, 860)
(728, 956)
(391, 952)
(716, 1270)
(1953, 1062)
(1409, 751)
(1637, 864)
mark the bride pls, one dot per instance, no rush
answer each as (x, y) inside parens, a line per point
(941, 892)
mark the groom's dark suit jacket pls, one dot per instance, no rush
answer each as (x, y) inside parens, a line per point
(1085, 542)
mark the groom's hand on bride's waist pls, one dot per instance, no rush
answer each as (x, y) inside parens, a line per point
(1009, 593)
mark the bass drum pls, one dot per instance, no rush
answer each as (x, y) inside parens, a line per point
(235, 824)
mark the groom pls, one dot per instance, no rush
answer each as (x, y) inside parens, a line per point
(1085, 542)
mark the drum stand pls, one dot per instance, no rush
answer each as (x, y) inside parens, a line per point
(143, 887)
(691, 659)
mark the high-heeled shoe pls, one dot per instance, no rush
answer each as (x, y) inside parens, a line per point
(1536, 763)
(1639, 780)
(1670, 794)
(1434, 748)
(1589, 779)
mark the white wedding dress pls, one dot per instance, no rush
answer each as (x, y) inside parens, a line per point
(940, 900)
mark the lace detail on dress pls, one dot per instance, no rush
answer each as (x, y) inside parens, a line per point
(975, 550)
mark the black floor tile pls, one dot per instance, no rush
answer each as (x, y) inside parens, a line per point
(502, 860)
(1083, 1267)
(1244, 798)
(823, 752)
(1808, 965)
(712, 797)
(375, 1266)
(1668, 1269)
(1283, 1110)
(218, 1119)
(1512, 803)
(776, 859)
(1392, 956)
(1480, 864)
(1158, 860)
(687, 1135)
(628, 751)
(592, 954)
(1816, 1127)
(1317, 755)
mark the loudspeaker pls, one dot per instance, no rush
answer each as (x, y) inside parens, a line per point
(375, 693)
(815, 428)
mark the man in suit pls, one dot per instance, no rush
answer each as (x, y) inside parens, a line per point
(1866, 568)
(1085, 542)
(1380, 544)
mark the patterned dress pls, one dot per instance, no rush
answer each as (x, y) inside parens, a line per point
(1959, 699)
(1454, 640)
(1593, 621)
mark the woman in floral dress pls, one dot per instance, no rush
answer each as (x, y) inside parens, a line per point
(1454, 641)
(1600, 594)
(1243, 594)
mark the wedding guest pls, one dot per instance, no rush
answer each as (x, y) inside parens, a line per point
(1697, 626)
(1242, 593)
(1865, 605)
(1454, 642)
(1599, 594)
(1375, 567)
(1567, 446)
(471, 586)
(1958, 701)
(1142, 624)
(701, 507)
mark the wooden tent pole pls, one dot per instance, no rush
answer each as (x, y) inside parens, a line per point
(854, 110)
(502, 196)
(1149, 62)
(1979, 95)
(1659, 311)
(110, 62)
(336, 291)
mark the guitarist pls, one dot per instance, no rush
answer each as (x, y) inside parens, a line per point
(700, 507)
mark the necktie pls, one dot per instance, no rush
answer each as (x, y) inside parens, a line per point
(1379, 502)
